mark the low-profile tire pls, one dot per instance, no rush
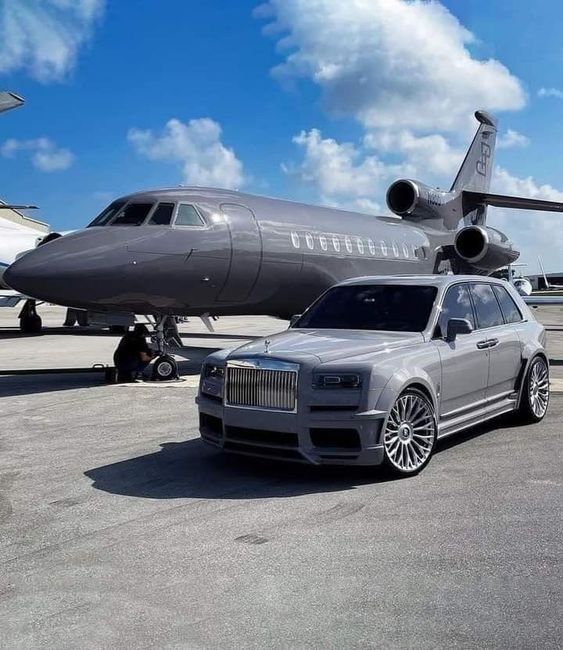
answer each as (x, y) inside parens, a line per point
(165, 368)
(534, 395)
(410, 434)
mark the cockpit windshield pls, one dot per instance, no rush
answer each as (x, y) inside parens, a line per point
(107, 214)
(133, 214)
(387, 307)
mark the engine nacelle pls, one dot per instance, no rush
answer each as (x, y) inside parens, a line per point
(414, 200)
(484, 248)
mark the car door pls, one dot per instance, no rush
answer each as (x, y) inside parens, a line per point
(503, 343)
(465, 364)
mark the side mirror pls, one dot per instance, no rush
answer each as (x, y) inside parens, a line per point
(294, 320)
(458, 326)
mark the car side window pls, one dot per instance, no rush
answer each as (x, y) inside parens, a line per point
(509, 309)
(456, 304)
(162, 216)
(188, 216)
(486, 306)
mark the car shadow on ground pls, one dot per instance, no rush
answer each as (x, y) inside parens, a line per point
(191, 469)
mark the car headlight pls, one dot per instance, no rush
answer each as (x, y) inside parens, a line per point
(212, 371)
(337, 380)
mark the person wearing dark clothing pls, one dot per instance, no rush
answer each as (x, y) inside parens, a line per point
(133, 354)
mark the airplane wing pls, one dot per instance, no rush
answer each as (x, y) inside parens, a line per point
(515, 202)
(6, 206)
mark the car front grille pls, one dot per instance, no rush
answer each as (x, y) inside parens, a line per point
(262, 384)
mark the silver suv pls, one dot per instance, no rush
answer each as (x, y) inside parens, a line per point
(378, 369)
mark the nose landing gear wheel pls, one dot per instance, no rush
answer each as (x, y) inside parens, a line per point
(165, 368)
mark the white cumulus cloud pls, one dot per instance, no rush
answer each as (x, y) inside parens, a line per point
(44, 37)
(534, 233)
(197, 147)
(342, 172)
(44, 153)
(389, 63)
(550, 92)
(512, 139)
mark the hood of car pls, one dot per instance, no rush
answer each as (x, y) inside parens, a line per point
(327, 345)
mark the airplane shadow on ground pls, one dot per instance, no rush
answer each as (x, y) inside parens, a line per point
(191, 469)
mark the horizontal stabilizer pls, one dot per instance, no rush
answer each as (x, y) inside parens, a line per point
(515, 202)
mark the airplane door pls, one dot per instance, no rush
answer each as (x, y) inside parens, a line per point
(246, 253)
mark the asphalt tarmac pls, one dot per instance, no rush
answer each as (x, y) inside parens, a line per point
(120, 529)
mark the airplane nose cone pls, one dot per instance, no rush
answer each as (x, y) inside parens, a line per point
(55, 272)
(27, 275)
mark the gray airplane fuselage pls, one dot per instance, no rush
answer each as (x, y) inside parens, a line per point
(250, 255)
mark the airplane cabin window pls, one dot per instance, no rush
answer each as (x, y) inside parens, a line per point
(395, 249)
(406, 250)
(188, 216)
(360, 245)
(322, 242)
(295, 240)
(383, 248)
(336, 243)
(133, 214)
(371, 247)
(162, 216)
(107, 214)
(310, 241)
(348, 244)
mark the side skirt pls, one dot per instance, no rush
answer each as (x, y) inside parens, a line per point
(483, 414)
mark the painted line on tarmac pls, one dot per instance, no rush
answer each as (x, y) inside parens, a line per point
(556, 385)
(185, 382)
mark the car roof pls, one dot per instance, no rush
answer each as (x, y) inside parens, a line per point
(423, 280)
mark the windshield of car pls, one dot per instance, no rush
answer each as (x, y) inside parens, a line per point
(387, 307)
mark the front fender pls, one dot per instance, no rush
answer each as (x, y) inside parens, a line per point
(403, 379)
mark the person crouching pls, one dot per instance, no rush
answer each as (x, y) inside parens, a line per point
(133, 354)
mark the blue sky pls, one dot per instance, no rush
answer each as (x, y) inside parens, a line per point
(364, 92)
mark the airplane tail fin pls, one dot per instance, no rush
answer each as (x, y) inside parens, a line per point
(543, 273)
(475, 171)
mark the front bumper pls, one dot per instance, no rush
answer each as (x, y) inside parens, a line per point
(336, 435)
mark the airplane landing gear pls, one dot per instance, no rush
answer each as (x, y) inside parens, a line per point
(165, 366)
(30, 321)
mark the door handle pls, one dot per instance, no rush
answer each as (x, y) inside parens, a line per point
(493, 342)
(483, 345)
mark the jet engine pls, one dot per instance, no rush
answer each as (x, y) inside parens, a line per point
(411, 199)
(484, 248)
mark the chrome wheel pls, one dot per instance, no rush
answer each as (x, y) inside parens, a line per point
(410, 433)
(538, 388)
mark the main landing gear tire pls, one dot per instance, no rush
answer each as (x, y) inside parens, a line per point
(165, 368)
(534, 398)
(410, 434)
